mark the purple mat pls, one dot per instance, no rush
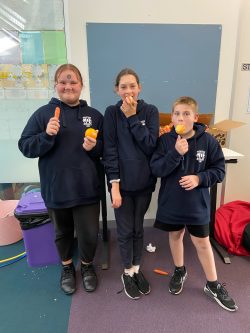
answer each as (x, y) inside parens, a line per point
(192, 311)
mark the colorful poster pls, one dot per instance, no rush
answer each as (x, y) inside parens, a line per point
(31, 47)
(54, 47)
(24, 76)
(11, 76)
(27, 81)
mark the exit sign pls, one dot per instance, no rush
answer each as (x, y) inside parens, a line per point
(245, 67)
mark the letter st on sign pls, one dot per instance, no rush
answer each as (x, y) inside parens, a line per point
(245, 67)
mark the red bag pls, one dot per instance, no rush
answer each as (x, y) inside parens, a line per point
(230, 221)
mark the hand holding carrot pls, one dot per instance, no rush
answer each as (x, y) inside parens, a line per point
(57, 112)
(53, 124)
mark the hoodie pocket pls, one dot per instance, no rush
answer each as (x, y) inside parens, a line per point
(73, 184)
(135, 175)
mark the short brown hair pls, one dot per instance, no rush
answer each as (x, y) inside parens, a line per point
(70, 67)
(186, 100)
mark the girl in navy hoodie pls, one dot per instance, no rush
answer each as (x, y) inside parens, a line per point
(68, 167)
(131, 129)
(189, 161)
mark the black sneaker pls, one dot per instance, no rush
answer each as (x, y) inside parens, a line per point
(68, 279)
(220, 295)
(130, 287)
(142, 283)
(177, 281)
(89, 278)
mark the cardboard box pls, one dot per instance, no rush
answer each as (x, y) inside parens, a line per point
(220, 130)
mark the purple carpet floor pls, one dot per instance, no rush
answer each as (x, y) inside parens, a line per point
(107, 310)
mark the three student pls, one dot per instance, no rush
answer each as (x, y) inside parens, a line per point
(188, 164)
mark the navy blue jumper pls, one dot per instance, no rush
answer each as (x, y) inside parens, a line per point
(68, 173)
(128, 147)
(204, 159)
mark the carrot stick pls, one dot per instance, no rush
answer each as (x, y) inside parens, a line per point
(57, 112)
(159, 271)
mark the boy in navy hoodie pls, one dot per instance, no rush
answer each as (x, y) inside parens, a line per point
(189, 161)
(131, 129)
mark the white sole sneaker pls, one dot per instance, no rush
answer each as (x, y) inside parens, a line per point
(178, 292)
(126, 292)
(212, 295)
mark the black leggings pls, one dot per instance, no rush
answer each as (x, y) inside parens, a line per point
(129, 219)
(85, 221)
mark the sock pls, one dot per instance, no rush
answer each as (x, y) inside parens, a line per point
(182, 269)
(86, 264)
(129, 271)
(212, 284)
(136, 268)
(68, 265)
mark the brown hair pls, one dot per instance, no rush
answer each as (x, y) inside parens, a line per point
(126, 71)
(70, 67)
(186, 100)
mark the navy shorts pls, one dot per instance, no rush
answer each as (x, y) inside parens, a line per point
(200, 231)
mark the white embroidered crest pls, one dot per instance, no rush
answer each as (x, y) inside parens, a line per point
(143, 122)
(87, 121)
(200, 155)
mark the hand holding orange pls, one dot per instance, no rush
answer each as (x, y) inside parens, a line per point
(91, 132)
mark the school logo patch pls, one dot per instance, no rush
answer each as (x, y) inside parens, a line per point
(87, 121)
(143, 122)
(200, 155)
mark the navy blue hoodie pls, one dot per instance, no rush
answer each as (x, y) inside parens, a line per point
(68, 173)
(128, 147)
(204, 159)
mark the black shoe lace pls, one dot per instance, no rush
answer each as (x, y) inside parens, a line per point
(129, 281)
(87, 270)
(177, 276)
(140, 277)
(67, 272)
(222, 290)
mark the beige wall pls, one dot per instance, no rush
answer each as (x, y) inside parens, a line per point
(232, 86)
(238, 176)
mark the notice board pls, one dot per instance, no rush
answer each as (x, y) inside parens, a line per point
(172, 60)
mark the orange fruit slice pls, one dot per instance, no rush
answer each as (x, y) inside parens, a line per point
(91, 132)
(180, 129)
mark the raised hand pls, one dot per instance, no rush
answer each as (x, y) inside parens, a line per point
(181, 145)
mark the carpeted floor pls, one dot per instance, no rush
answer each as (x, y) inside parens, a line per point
(192, 311)
(32, 302)
(30, 299)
